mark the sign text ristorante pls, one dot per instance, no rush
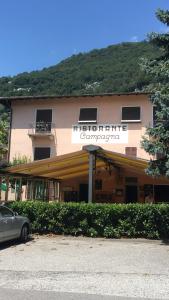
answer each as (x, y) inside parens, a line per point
(100, 133)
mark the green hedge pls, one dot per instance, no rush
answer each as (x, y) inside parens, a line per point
(103, 220)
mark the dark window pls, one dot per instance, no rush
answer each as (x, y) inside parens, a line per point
(43, 120)
(131, 151)
(98, 184)
(44, 115)
(41, 153)
(161, 193)
(88, 115)
(131, 113)
(148, 189)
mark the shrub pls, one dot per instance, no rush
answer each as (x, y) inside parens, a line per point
(104, 220)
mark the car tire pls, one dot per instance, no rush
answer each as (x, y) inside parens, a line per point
(24, 234)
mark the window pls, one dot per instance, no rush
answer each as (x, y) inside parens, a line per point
(88, 115)
(131, 151)
(41, 153)
(131, 114)
(5, 212)
(161, 193)
(98, 184)
(43, 120)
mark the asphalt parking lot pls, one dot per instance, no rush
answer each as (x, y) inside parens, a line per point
(99, 268)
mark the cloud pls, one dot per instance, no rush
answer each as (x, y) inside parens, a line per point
(134, 38)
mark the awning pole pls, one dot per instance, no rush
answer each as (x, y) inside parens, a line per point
(91, 165)
(92, 150)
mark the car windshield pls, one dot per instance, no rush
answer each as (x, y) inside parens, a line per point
(5, 212)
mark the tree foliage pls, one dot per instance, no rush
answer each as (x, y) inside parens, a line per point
(108, 70)
(156, 140)
(112, 69)
(20, 159)
(4, 128)
(4, 125)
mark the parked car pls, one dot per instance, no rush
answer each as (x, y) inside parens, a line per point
(13, 226)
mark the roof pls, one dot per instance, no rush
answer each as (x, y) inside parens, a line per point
(41, 97)
(75, 164)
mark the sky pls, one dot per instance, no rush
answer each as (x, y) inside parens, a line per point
(35, 34)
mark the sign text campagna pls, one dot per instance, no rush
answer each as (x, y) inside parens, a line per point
(100, 134)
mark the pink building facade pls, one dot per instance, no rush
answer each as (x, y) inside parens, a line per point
(44, 127)
(129, 114)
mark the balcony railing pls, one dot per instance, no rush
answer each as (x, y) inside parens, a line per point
(41, 129)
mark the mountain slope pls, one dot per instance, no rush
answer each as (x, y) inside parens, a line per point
(112, 69)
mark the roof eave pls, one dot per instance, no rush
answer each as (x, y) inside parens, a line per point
(40, 97)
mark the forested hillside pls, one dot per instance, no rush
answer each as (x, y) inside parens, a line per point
(112, 69)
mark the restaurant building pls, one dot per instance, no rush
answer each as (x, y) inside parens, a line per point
(81, 148)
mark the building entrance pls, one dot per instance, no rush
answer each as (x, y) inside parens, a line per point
(131, 191)
(161, 193)
(83, 192)
(131, 195)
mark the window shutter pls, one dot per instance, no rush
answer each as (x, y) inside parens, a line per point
(88, 115)
(131, 113)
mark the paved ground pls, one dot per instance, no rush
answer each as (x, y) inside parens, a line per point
(12, 294)
(84, 268)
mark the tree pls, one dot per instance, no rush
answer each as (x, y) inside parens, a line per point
(156, 140)
(4, 130)
(4, 126)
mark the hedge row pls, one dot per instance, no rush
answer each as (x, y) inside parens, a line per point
(103, 220)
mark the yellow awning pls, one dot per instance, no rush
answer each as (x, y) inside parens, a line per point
(76, 164)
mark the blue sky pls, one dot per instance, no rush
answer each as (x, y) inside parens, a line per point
(39, 33)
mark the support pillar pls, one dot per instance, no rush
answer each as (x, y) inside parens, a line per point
(92, 150)
(90, 186)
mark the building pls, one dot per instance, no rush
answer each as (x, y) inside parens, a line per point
(49, 127)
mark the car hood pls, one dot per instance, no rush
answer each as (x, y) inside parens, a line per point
(22, 218)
